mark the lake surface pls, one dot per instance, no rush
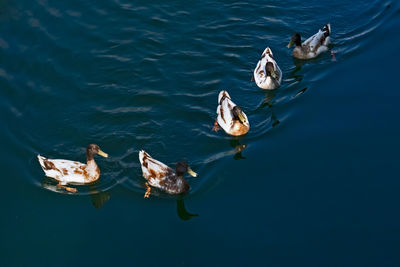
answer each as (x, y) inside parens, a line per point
(315, 182)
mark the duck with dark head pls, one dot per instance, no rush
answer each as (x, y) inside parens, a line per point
(267, 73)
(163, 177)
(230, 116)
(313, 46)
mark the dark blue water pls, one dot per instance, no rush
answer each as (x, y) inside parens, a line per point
(316, 182)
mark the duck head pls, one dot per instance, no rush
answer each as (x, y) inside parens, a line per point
(93, 149)
(270, 70)
(296, 39)
(238, 114)
(182, 167)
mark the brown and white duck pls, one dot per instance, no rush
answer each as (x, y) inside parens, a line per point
(73, 172)
(230, 116)
(267, 73)
(313, 46)
(161, 176)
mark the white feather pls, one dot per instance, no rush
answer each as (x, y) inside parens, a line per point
(225, 117)
(313, 45)
(260, 74)
(62, 167)
(158, 168)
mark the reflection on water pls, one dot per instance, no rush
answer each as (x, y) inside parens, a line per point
(238, 148)
(236, 151)
(98, 197)
(302, 91)
(274, 120)
(298, 64)
(53, 185)
(269, 102)
(268, 99)
(183, 214)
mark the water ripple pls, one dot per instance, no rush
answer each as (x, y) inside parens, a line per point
(147, 76)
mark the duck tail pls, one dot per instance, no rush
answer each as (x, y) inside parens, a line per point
(268, 51)
(327, 30)
(41, 161)
(222, 95)
(143, 156)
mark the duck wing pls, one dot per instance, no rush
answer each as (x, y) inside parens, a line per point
(153, 168)
(318, 39)
(65, 171)
(278, 70)
(224, 111)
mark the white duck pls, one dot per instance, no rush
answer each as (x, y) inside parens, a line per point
(313, 46)
(267, 73)
(230, 117)
(67, 171)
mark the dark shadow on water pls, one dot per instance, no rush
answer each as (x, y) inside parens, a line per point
(300, 92)
(274, 120)
(99, 198)
(183, 214)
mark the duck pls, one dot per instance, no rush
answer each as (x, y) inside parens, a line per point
(230, 116)
(313, 46)
(163, 177)
(267, 73)
(73, 172)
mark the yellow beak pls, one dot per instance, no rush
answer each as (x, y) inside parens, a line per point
(242, 118)
(101, 153)
(191, 172)
(290, 44)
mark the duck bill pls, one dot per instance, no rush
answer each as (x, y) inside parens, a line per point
(273, 74)
(290, 44)
(101, 153)
(191, 172)
(242, 118)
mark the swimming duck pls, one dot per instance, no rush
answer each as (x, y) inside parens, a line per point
(313, 46)
(230, 116)
(161, 176)
(267, 73)
(67, 171)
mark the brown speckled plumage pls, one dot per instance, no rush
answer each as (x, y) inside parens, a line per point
(161, 176)
(66, 171)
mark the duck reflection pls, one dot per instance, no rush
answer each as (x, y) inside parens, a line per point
(269, 101)
(300, 92)
(237, 148)
(181, 211)
(183, 214)
(298, 63)
(295, 73)
(52, 185)
(98, 197)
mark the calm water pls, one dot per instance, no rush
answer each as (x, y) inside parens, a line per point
(317, 183)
